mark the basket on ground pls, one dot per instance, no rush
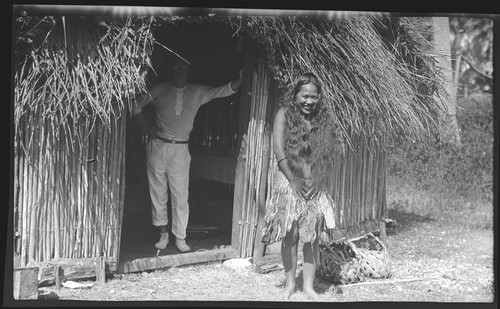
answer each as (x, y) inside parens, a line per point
(354, 260)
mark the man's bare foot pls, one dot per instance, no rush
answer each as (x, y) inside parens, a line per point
(311, 293)
(288, 291)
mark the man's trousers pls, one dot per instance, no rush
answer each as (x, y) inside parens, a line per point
(168, 167)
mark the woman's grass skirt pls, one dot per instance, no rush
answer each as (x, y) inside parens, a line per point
(286, 206)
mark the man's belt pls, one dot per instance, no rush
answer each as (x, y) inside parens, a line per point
(170, 141)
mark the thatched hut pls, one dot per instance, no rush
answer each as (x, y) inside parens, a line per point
(79, 188)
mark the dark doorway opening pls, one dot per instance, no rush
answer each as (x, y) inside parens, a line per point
(215, 56)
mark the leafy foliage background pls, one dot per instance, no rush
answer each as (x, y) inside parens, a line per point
(465, 171)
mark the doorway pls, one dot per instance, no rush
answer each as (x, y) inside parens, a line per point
(215, 56)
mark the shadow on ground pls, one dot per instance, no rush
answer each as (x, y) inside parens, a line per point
(403, 220)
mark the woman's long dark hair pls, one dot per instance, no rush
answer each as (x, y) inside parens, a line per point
(320, 145)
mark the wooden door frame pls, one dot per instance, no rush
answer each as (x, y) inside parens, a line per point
(250, 60)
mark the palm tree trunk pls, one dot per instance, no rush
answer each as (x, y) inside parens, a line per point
(442, 45)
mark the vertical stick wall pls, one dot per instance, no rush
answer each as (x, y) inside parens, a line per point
(69, 193)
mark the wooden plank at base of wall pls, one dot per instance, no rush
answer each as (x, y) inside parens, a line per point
(165, 261)
(73, 269)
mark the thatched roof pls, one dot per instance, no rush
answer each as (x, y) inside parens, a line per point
(378, 73)
(69, 69)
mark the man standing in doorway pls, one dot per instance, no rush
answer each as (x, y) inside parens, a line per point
(168, 158)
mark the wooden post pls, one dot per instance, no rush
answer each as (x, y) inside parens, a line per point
(58, 276)
(383, 234)
(100, 270)
(239, 183)
(26, 283)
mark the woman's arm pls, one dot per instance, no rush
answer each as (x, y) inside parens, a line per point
(279, 150)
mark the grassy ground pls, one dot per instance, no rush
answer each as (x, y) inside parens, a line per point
(441, 248)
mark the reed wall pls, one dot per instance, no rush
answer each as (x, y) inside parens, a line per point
(358, 186)
(257, 147)
(68, 190)
(357, 182)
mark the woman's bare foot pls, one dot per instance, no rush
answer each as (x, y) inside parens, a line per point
(311, 293)
(288, 291)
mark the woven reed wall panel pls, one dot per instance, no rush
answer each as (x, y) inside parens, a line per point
(68, 192)
(358, 185)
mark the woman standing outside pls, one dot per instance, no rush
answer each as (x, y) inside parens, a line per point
(305, 143)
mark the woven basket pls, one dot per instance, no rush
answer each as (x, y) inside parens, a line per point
(354, 260)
